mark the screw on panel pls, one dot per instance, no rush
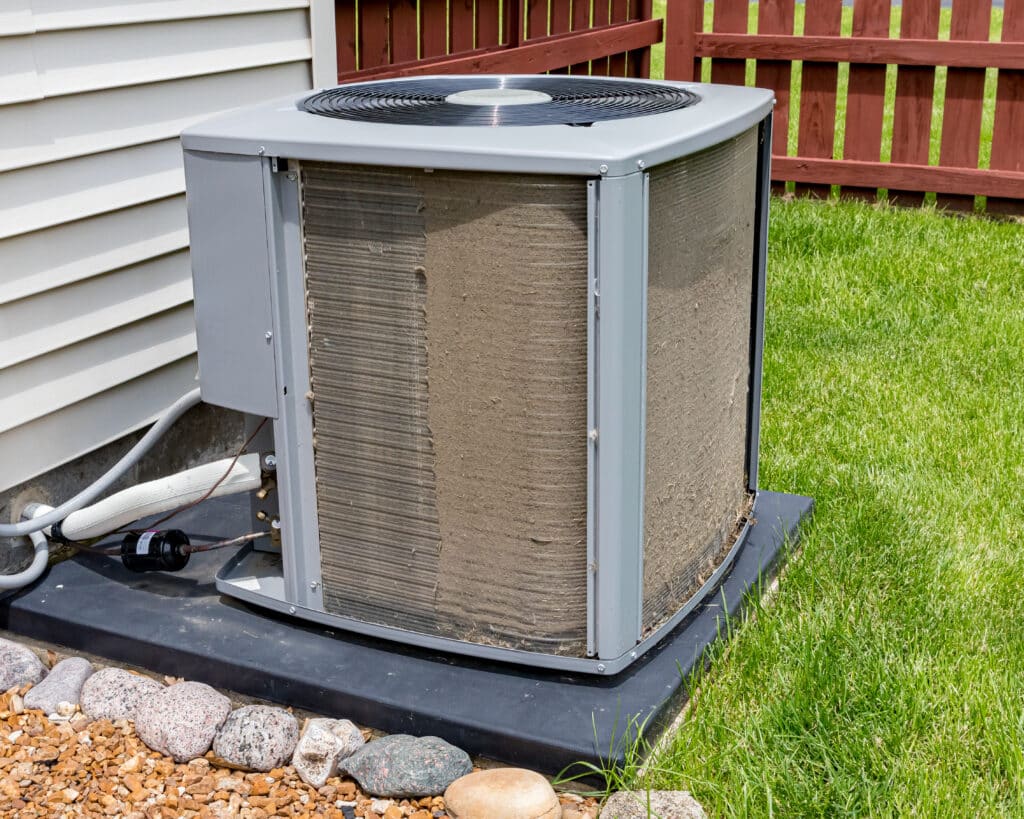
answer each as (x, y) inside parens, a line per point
(641, 164)
(592, 435)
(313, 585)
(603, 169)
(270, 460)
(291, 609)
(600, 668)
(292, 177)
(261, 150)
(269, 336)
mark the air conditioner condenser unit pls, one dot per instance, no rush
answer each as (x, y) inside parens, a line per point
(508, 331)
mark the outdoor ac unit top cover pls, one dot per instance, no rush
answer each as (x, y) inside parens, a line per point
(656, 122)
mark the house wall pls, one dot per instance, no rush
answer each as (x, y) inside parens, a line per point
(96, 326)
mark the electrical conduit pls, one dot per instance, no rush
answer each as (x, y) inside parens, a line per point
(93, 491)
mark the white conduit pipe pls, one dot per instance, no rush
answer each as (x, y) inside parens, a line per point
(90, 493)
(30, 575)
(163, 495)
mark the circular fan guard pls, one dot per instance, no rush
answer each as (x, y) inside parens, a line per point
(574, 101)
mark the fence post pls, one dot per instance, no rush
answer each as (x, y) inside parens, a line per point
(1009, 124)
(683, 19)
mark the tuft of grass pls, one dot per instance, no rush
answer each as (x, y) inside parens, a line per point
(887, 676)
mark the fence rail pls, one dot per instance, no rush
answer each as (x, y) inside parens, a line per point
(857, 164)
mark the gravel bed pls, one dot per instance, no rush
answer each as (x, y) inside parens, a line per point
(70, 765)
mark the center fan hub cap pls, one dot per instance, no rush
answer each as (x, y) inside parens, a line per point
(497, 96)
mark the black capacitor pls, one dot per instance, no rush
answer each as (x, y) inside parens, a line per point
(155, 551)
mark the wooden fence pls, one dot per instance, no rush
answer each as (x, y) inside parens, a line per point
(393, 38)
(856, 165)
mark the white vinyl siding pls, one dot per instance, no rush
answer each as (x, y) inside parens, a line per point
(96, 327)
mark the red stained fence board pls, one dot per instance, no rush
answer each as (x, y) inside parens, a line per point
(462, 28)
(580, 22)
(915, 86)
(403, 37)
(816, 136)
(345, 34)
(776, 17)
(374, 33)
(865, 97)
(433, 28)
(488, 20)
(1007, 139)
(730, 16)
(965, 89)
(684, 22)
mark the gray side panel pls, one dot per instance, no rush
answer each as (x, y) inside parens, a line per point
(231, 279)
(702, 211)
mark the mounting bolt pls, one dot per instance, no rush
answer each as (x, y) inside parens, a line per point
(261, 150)
(600, 668)
(632, 655)
(269, 336)
(603, 169)
(291, 609)
(275, 523)
(270, 460)
(592, 435)
(641, 164)
(313, 585)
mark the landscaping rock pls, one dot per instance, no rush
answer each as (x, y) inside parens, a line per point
(663, 805)
(404, 766)
(18, 665)
(324, 743)
(257, 738)
(62, 685)
(502, 793)
(113, 693)
(182, 719)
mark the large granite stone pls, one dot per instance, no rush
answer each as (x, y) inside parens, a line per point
(502, 793)
(257, 738)
(403, 766)
(63, 684)
(18, 665)
(663, 804)
(182, 719)
(113, 693)
(323, 744)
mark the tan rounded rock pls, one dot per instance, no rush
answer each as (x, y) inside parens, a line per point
(502, 793)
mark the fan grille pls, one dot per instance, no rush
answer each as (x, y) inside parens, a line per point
(423, 101)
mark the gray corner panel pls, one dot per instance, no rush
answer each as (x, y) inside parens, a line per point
(231, 279)
(620, 317)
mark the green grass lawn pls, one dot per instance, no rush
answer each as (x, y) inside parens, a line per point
(887, 674)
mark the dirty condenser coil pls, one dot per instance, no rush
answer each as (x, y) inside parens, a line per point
(509, 332)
